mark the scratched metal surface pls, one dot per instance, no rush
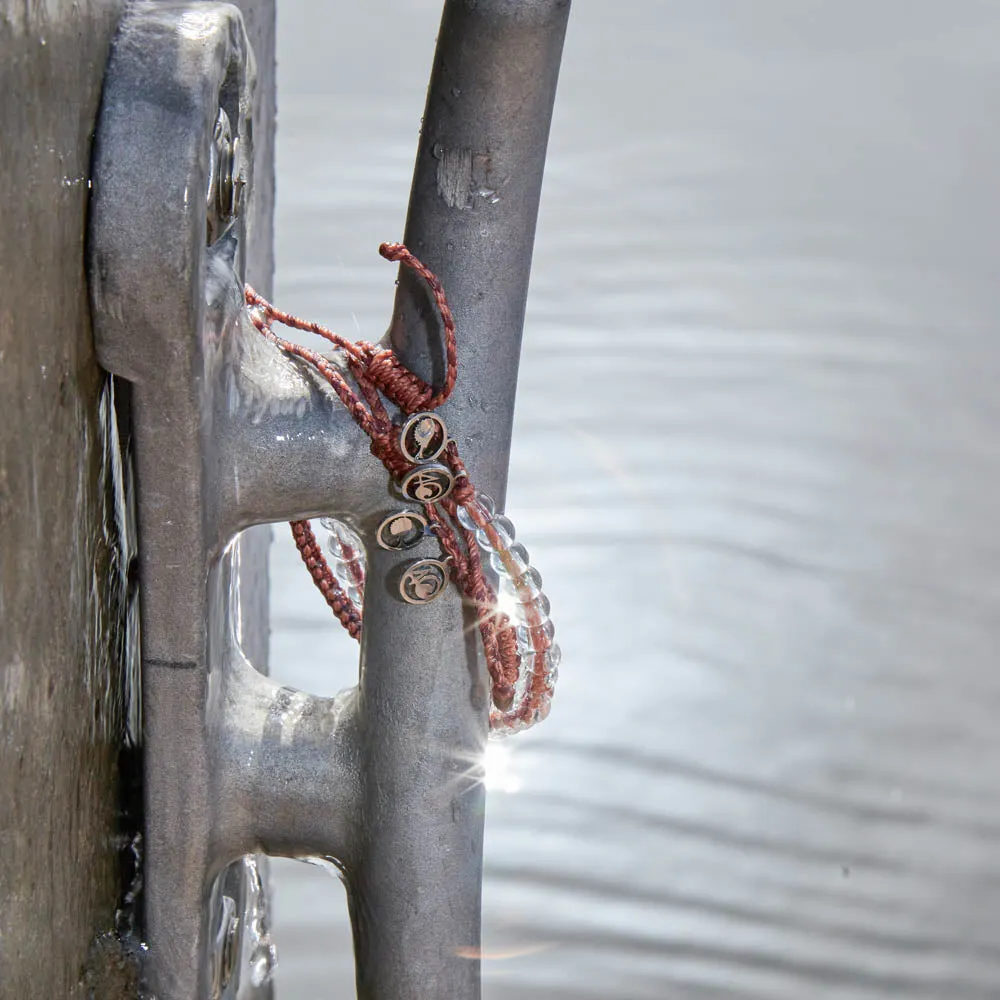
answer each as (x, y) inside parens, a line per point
(769, 534)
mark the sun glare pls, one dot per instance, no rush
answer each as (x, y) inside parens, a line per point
(507, 605)
(499, 774)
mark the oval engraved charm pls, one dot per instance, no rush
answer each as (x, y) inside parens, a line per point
(423, 580)
(423, 437)
(427, 483)
(401, 530)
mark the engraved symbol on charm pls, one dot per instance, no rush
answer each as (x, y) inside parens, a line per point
(427, 483)
(401, 530)
(423, 437)
(423, 580)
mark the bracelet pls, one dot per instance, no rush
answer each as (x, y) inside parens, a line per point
(425, 469)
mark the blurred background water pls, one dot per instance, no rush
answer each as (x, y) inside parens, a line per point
(770, 231)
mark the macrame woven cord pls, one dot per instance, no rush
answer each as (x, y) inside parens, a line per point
(513, 616)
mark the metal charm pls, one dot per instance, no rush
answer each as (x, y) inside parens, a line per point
(427, 483)
(423, 437)
(401, 530)
(423, 580)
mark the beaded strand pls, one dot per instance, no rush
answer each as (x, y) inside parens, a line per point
(513, 618)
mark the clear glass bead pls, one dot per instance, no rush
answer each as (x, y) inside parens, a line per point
(540, 635)
(351, 544)
(535, 614)
(355, 596)
(531, 582)
(527, 668)
(505, 525)
(486, 502)
(551, 661)
(343, 543)
(483, 505)
(542, 605)
(524, 646)
(521, 558)
(517, 560)
(485, 542)
(523, 589)
(521, 612)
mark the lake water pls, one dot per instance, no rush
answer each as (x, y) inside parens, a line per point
(770, 540)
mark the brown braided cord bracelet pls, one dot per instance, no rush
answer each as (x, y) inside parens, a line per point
(513, 619)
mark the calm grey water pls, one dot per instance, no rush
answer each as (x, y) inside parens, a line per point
(771, 544)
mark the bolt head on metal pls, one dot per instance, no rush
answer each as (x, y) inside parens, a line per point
(226, 178)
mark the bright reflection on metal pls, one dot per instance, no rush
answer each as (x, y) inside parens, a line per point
(196, 25)
(502, 954)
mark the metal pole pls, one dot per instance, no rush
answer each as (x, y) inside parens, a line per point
(415, 886)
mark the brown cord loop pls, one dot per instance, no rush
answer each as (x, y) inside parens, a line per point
(333, 593)
(398, 252)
